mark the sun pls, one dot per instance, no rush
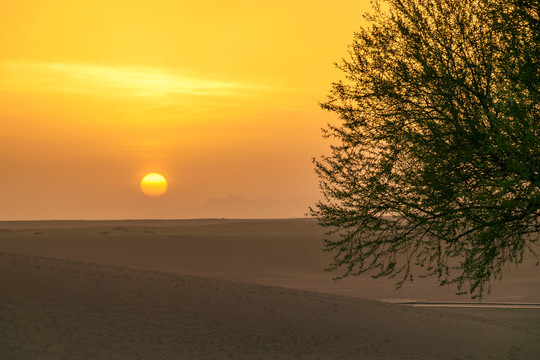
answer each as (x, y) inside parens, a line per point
(153, 185)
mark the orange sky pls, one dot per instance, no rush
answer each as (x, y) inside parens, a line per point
(221, 97)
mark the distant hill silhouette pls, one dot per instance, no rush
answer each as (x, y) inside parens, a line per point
(240, 207)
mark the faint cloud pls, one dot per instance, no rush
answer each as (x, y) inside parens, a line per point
(139, 81)
(159, 91)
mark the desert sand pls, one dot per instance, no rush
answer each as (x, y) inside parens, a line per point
(232, 289)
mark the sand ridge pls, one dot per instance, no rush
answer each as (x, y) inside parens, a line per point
(284, 252)
(198, 289)
(61, 309)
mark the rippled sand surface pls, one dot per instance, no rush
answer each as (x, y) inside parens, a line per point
(200, 290)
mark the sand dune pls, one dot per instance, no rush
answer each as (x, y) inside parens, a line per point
(198, 290)
(270, 252)
(60, 309)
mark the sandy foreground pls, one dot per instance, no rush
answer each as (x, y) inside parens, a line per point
(231, 289)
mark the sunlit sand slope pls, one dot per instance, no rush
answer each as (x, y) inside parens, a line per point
(61, 309)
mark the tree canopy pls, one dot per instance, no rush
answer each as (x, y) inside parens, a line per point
(434, 163)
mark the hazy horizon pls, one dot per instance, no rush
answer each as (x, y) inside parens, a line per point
(231, 207)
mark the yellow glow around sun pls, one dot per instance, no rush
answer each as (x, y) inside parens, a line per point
(153, 185)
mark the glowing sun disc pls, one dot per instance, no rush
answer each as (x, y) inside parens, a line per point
(153, 185)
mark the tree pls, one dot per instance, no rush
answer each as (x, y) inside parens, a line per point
(434, 167)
